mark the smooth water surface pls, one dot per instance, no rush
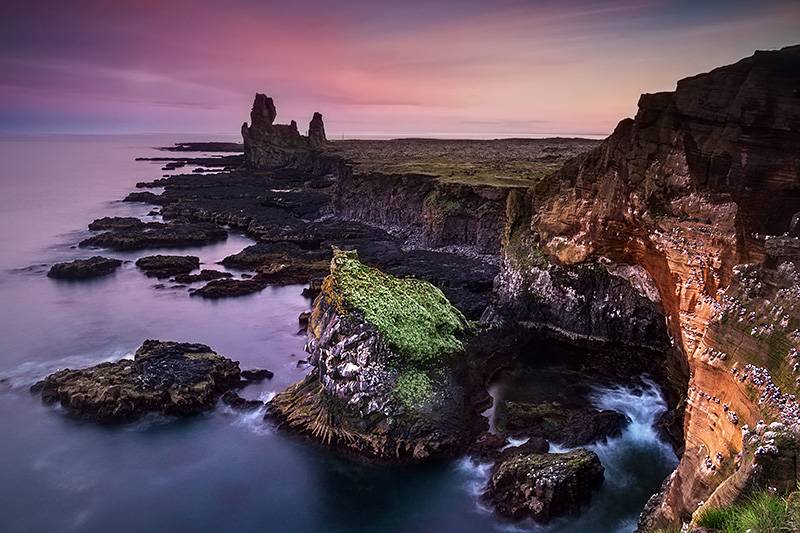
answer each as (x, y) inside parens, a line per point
(223, 471)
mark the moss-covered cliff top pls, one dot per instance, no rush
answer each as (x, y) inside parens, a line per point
(498, 162)
(414, 317)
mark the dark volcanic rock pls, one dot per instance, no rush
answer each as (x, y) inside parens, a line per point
(269, 145)
(543, 486)
(568, 426)
(203, 275)
(235, 401)
(227, 288)
(116, 223)
(164, 377)
(164, 266)
(84, 268)
(146, 197)
(257, 374)
(158, 235)
(316, 130)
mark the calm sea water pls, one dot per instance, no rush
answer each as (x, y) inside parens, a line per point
(223, 471)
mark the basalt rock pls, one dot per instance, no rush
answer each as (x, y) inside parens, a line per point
(268, 145)
(316, 131)
(543, 486)
(203, 275)
(169, 378)
(568, 426)
(165, 266)
(84, 268)
(157, 235)
(229, 288)
(373, 390)
(116, 223)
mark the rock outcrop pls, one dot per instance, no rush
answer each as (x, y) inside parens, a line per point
(170, 378)
(268, 145)
(524, 484)
(316, 131)
(93, 267)
(567, 426)
(684, 192)
(156, 235)
(165, 266)
(387, 360)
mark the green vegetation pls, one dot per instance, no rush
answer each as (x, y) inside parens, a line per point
(499, 163)
(762, 513)
(413, 387)
(414, 317)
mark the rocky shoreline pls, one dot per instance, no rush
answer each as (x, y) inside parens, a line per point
(426, 287)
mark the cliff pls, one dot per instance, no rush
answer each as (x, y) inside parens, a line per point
(684, 192)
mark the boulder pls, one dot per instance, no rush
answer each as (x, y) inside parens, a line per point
(568, 426)
(84, 268)
(235, 401)
(543, 486)
(228, 288)
(170, 378)
(164, 266)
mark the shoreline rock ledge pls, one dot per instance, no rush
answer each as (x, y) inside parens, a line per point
(170, 378)
(388, 376)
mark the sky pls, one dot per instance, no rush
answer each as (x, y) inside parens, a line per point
(371, 67)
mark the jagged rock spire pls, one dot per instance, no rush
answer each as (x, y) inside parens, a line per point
(316, 130)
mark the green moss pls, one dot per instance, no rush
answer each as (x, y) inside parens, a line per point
(413, 388)
(414, 317)
(763, 512)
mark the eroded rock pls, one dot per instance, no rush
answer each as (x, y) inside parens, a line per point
(170, 378)
(84, 268)
(543, 486)
(165, 266)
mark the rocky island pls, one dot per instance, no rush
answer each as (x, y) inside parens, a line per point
(669, 249)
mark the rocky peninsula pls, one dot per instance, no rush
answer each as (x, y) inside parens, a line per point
(670, 249)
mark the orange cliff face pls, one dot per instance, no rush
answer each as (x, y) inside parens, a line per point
(690, 188)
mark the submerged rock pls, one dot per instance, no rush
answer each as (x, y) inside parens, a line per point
(568, 426)
(203, 275)
(543, 486)
(170, 378)
(164, 266)
(386, 380)
(232, 399)
(84, 268)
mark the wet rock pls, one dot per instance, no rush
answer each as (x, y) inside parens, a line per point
(203, 275)
(487, 447)
(568, 426)
(116, 223)
(164, 266)
(257, 374)
(146, 197)
(170, 378)
(229, 288)
(303, 318)
(158, 235)
(235, 401)
(84, 268)
(543, 486)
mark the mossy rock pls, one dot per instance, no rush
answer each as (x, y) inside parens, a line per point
(414, 317)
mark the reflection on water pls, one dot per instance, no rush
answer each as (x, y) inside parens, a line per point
(224, 470)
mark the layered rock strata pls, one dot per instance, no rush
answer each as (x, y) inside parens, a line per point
(684, 192)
